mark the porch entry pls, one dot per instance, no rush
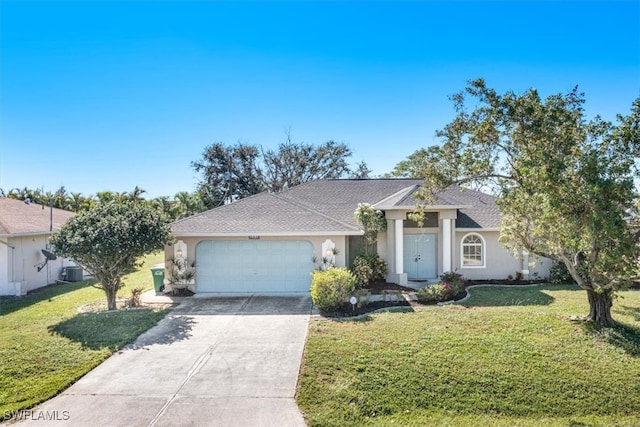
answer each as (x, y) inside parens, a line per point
(420, 256)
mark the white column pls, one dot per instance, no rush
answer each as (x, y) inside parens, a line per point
(399, 246)
(391, 258)
(446, 245)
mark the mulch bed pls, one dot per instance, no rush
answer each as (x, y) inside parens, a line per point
(505, 282)
(377, 288)
(347, 311)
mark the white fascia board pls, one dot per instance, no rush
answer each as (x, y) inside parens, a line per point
(428, 208)
(289, 234)
(33, 233)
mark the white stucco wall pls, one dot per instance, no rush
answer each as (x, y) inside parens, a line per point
(500, 263)
(316, 241)
(18, 265)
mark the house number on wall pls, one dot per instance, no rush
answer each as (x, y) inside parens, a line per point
(254, 237)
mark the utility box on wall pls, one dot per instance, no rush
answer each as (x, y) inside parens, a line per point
(73, 274)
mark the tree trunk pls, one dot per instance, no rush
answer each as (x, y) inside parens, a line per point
(111, 297)
(600, 307)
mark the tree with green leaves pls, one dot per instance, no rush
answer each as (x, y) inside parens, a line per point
(293, 164)
(227, 171)
(412, 166)
(563, 182)
(186, 204)
(234, 172)
(372, 222)
(108, 239)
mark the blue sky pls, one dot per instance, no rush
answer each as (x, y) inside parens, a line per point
(109, 95)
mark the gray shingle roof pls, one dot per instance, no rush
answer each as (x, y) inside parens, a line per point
(327, 207)
(475, 209)
(18, 217)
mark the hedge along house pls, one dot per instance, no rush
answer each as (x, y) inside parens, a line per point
(270, 243)
(25, 229)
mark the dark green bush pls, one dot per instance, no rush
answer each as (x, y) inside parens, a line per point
(558, 274)
(332, 288)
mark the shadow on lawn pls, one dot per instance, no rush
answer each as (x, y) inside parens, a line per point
(11, 304)
(623, 336)
(501, 296)
(114, 329)
(630, 311)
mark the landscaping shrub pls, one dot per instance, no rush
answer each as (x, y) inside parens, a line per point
(331, 288)
(453, 279)
(368, 268)
(136, 297)
(451, 284)
(362, 271)
(435, 293)
(558, 274)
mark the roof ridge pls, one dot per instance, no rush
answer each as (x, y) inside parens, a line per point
(307, 208)
(404, 192)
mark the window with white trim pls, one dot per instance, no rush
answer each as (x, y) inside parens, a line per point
(473, 251)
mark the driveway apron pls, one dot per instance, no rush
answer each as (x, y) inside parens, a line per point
(224, 361)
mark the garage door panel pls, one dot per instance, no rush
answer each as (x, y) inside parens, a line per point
(254, 266)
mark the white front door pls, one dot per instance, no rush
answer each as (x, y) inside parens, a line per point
(420, 256)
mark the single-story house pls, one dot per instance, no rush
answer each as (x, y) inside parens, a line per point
(270, 242)
(25, 229)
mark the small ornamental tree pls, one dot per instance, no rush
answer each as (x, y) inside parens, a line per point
(108, 239)
(369, 266)
(564, 183)
(372, 222)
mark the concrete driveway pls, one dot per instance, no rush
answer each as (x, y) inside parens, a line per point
(229, 361)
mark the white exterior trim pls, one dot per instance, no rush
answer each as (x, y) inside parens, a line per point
(427, 208)
(272, 234)
(446, 244)
(31, 233)
(399, 228)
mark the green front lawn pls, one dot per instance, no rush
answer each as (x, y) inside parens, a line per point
(46, 345)
(506, 357)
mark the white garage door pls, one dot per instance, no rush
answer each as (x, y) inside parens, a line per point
(260, 266)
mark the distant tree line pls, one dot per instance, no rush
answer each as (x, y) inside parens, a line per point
(228, 173)
(184, 204)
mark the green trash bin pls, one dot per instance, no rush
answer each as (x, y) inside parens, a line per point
(158, 277)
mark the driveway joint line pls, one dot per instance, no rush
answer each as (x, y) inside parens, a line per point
(198, 364)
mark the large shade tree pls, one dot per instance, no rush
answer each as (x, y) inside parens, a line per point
(232, 172)
(108, 239)
(564, 183)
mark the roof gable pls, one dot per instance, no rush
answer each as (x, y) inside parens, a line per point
(18, 217)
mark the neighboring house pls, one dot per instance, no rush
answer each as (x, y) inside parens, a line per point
(271, 242)
(24, 231)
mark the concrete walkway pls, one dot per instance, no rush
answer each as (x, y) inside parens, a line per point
(228, 361)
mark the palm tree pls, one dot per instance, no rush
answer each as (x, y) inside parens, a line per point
(164, 205)
(136, 194)
(187, 204)
(76, 202)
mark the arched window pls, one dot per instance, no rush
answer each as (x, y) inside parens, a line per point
(473, 249)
